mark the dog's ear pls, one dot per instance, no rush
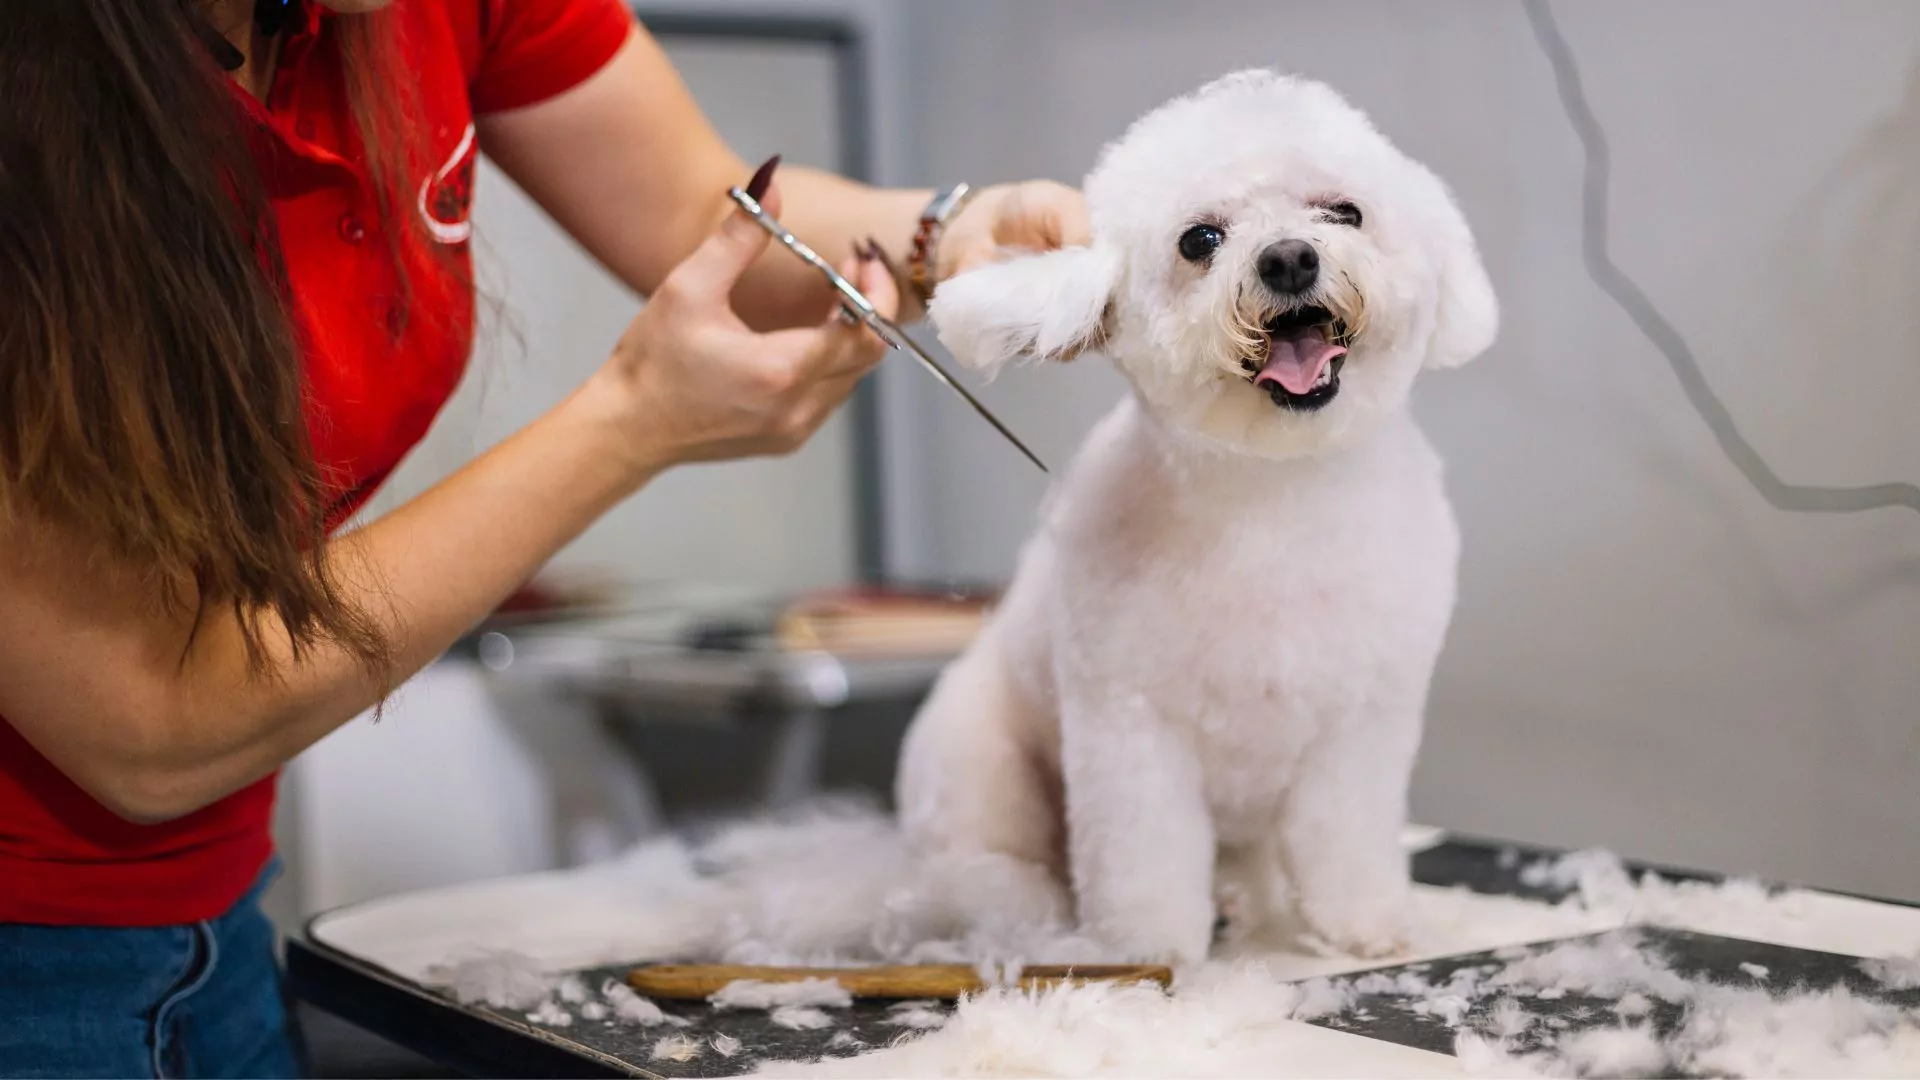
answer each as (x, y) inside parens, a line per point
(1468, 316)
(1049, 307)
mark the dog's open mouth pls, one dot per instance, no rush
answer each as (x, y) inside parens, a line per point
(1306, 348)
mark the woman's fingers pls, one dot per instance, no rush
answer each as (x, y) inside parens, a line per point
(702, 386)
(1035, 215)
(710, 273)
(847, 345)
(842, 351)
(823, 399)
(1075, 228)
(877, 280)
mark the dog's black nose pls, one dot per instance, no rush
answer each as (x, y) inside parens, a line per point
(1290, 266)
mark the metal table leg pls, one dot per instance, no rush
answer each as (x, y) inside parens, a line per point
(795, 753)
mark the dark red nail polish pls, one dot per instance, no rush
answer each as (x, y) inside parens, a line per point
(762, 178)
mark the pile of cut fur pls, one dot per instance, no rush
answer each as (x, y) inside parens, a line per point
(834, 887)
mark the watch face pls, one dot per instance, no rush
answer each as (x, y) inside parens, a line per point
(944, 202)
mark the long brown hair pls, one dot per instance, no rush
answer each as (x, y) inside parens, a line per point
(150, 383)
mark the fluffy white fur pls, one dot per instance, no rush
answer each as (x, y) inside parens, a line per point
(1212, 664)
(1234, 1016)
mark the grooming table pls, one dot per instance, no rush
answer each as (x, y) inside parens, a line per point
(363, 963)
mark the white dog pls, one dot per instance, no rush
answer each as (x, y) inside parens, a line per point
(1214, 658)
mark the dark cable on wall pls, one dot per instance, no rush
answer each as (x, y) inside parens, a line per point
(1798, 498)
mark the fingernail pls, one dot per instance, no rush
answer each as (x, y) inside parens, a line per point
(762, 178)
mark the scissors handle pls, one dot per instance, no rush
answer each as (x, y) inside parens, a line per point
(847, 290)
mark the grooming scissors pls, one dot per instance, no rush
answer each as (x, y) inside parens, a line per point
(857, 305)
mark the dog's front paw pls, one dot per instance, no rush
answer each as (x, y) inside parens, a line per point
(1373, 928)
(1162, 936)
(1174, 950)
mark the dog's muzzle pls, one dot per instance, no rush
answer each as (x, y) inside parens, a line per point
(1305, 350)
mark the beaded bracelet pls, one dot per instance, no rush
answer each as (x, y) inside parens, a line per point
(926, 237)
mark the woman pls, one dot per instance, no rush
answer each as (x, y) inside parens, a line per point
(234, 290)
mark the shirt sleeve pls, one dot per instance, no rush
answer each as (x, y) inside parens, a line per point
(532, 50)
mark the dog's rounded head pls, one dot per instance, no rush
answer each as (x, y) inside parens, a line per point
(1267, 270)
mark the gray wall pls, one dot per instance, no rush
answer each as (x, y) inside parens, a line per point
(1645, 654)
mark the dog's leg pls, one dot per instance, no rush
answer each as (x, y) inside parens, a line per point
(1140, 837)
(1340, 835)
(979, 810)
(1253, 895)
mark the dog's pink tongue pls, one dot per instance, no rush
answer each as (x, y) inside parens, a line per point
(1296, 360)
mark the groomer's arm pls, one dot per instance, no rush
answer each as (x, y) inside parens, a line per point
(156, 709)
(627, 163)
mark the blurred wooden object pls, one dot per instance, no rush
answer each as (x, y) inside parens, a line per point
(881, 623)
(942, 982)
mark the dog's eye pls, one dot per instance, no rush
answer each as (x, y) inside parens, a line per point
(1200, 242)
(1342, 213)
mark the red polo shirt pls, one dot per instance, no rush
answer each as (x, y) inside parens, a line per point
(65, 859)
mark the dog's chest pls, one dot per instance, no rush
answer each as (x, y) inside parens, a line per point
(1254, 613)
(1244, 626)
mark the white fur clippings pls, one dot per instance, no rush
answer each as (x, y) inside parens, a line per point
(676, 1048)
(1231, 1021)
(800, 1018)
(1238, 1015)
(501, 978)
(1215, 654)
(1894, 973)
(505, 979)
(755, 994)
(1232, 1018)
(630, 1008)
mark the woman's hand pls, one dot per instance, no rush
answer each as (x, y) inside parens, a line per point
(1036, 215)
(694, 383)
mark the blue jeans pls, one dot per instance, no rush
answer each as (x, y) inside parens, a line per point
(168, 1001)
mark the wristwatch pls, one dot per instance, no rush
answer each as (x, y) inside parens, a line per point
(946, 203)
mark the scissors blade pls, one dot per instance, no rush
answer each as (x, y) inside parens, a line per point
(901, 341)
(888, 331)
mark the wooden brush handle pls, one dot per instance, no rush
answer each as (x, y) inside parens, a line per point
(944, 982)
